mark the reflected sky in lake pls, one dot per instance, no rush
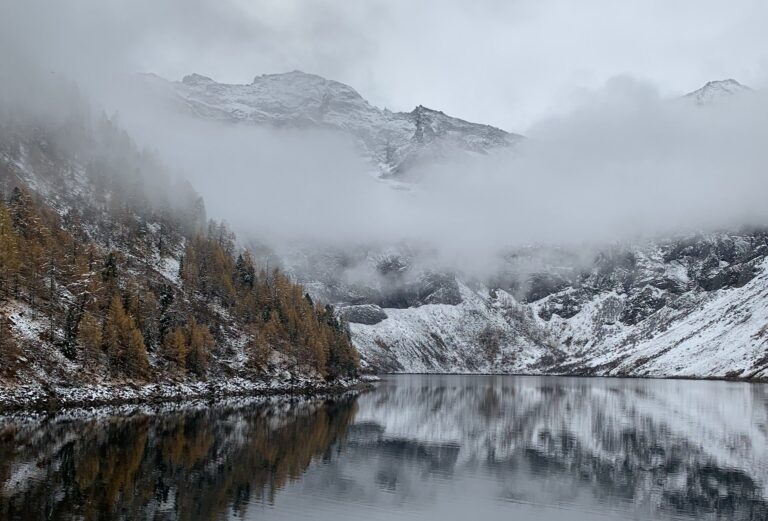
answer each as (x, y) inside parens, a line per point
(417, 447)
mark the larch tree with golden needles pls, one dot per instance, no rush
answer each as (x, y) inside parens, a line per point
(9, 252)
(125, 345)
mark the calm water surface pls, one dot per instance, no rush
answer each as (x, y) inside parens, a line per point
(417, 447)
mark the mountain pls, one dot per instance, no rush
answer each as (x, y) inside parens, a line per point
(687, 306)
(393, 142)
(693, 305)
(715, 91)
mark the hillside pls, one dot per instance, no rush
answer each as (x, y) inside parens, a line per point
(111, 274)
(689, 306)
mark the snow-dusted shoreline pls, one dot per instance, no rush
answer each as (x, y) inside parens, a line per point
(36, 397)
(715, 378)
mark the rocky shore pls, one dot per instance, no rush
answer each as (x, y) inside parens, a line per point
(53, 397)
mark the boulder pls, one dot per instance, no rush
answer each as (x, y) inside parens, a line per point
(368, 314)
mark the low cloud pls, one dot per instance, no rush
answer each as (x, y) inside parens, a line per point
(625, 163)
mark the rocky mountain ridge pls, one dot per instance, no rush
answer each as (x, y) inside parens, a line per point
(691, 306)
(392, 142)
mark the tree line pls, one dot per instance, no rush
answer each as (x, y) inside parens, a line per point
(109, 313)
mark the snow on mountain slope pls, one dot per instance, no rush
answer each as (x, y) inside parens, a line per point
(719, 333)
(716, 91)
(392, 141)
(693, 306)
(481, 334)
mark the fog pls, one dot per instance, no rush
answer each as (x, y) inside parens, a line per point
(626, 158)
(625, 163)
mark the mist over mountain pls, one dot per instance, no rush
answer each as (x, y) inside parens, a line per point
(393, 142)
(583, 177)
(585, 247)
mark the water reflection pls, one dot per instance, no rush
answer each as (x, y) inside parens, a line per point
(426, 447)
(190, 464)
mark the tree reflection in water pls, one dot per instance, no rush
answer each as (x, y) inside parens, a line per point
(189, 464)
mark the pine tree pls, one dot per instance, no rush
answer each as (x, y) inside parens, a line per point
(257, 349)
(166, 320)
(24, 219)
(245, 273)
(70, 333)
(109, 271)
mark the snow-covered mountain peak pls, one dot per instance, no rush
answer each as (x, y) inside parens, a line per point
(197, 79)
(305, 85)
(716, 90)
(392, 141)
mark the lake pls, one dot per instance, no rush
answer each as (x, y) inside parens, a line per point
(417, 447)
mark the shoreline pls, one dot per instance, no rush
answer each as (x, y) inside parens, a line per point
(55, 398)
(733, 379)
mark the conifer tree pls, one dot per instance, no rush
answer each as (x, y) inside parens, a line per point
(9, 252)
(125, 345)
(90, 337)
(176, 348)
(200, 344)
(8, 347)
(257, 349)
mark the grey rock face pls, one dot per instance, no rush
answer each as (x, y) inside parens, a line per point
(689, 305)
(363, 314)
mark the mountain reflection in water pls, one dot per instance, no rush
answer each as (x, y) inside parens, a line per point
(421, 447)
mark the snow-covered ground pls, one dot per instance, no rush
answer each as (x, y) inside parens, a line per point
(664, 325)
(58, 396)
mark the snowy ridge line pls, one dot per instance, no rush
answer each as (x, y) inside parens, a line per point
(34, 397)
(393, 142)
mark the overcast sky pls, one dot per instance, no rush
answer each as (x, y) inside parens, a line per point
(504, 62)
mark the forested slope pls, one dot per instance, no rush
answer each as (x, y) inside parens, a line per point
(110, 271)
